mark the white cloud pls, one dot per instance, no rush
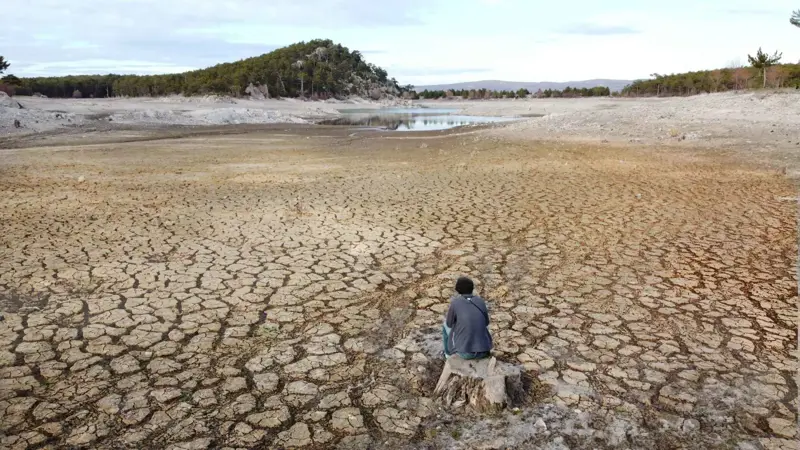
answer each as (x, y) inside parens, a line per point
(102, 65)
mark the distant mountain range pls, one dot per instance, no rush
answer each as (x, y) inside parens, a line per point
(498, 85)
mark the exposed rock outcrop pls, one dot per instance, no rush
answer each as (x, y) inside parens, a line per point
(260, 92)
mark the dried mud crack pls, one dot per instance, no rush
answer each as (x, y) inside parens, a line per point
(275, 289)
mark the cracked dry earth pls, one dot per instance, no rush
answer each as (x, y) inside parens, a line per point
(271, 290)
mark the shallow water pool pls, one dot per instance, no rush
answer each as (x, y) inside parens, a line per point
(409, 119)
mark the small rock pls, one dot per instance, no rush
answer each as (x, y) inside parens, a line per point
(540, 426)
(81, 179)
(302, 388)
(109, 404)
(782, 427)
(690, 425)
(745, 446)
(233, 385)
(297, 436)
(165, 395)
(17, 124)
(347, 420)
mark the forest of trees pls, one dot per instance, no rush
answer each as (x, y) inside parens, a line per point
(318, 69)
(568, 92)
(707, 81)
(765, 71)
(470, 94)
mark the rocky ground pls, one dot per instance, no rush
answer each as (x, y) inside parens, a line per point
(282, 288)
(41, 114)
(761, 126)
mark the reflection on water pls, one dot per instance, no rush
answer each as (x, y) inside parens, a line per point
(408, 119)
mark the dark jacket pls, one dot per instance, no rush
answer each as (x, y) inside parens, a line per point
(468, 318)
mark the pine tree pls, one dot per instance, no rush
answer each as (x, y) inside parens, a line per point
(763, 61)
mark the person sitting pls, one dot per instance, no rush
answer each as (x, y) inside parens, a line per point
(465, 330)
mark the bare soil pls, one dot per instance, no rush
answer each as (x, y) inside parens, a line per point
(251, 287)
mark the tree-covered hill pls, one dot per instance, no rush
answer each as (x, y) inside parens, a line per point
(706, 81)
(317, 68)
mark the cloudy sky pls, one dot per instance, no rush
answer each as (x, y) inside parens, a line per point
(417, 41)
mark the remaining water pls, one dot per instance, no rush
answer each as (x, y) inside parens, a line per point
(409, 119)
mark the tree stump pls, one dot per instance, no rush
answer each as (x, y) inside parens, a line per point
(485, 384)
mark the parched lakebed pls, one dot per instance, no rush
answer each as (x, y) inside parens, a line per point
(266, 290)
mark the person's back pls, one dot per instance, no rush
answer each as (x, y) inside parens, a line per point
(465, 330)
